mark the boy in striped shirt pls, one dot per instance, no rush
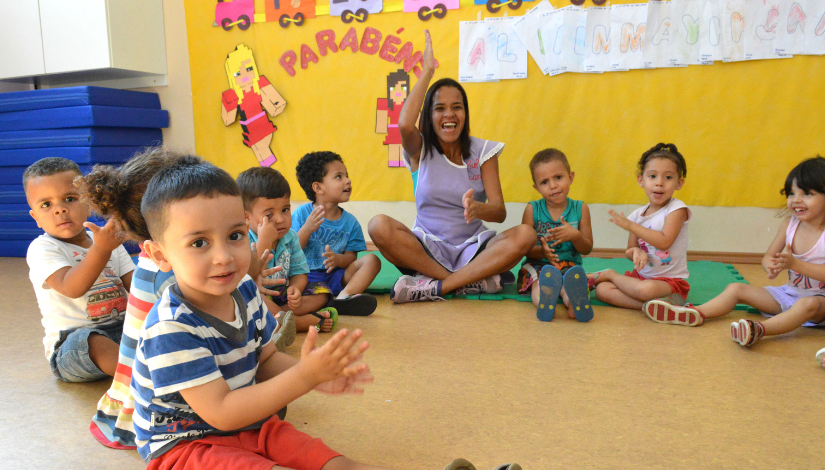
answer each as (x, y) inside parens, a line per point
(207, 378)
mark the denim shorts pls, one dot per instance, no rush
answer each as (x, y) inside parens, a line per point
(70, 361)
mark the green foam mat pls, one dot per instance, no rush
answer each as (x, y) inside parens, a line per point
(707, 280)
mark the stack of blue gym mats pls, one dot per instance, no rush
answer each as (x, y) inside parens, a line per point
(88, 125)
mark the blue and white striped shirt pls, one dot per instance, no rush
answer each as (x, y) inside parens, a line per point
(181, 347)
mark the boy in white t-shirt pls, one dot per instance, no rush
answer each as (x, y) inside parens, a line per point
(81, 278)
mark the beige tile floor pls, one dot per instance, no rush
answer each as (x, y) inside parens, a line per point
(486, 381)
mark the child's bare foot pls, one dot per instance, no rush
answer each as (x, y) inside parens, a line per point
(596, 278)
(322, 318)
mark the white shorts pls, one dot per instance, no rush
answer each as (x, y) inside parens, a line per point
(786, 296)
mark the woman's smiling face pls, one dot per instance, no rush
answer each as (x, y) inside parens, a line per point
(448, 114)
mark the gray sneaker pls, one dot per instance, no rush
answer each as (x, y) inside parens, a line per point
(489, 285)
(414, 289)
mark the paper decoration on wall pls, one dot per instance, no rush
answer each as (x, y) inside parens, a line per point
(598, 44)
(527, 30)
(357, 10)
(248, 99)
(687, 28)
(628, 26)
(369, 43)
(656, 34)
(388, 110)
(287, 12)
(493, 6)
(490, 50)
(428, 8)
(237, 12)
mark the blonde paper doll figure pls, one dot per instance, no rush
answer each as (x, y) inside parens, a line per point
(388, 111)
(249, 99)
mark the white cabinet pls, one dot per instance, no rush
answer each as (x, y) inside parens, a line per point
(21, 46)
(107, 42)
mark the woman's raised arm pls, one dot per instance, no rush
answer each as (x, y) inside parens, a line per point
(410, 136)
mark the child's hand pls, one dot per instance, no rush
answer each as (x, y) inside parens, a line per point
(547, 251)
(428, 59)
(784, 259)
(315, 219)
(352, 382)
(262, 277)
(619, 219)
(471, 206)
(293, 296)
(267, 233)
(564, 233)
(108, 237)
(331, 260)
(333, 360)
(639, 257)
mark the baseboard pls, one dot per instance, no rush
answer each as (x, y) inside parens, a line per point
(719, 256)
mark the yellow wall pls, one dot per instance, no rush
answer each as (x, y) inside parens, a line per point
(741, 126)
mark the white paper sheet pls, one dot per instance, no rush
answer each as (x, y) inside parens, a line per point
(506, 56)
(575, 28)
(688, 28)
(793, 20)
(710, 38)
(815, 28)
(472, 48)
(733, 30)
(527, 30)
(598, 42)
(658, 35)
(628, 23)
(552, 29)
(761, 29)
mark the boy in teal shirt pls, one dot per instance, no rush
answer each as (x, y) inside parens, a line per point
(266, 194)
(554, 266)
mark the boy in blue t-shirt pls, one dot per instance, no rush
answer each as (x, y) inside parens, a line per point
(207, 376)
(331, 237)
(265, 194)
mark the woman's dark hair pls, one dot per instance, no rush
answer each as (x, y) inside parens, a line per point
(392, 79)
(262, 182)
(425, 121)
(809, 176)
(667, 151)
(117, 192)
(312, 168)
(182, 180)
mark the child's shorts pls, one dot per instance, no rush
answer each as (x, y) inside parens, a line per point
(529, 273)
(276, 443)
(786, 296)
(312, 288)
(333, 280)
(678, 287)
(70, 361)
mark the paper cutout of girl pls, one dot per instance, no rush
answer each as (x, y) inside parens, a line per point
(249, 99)
(389, 109)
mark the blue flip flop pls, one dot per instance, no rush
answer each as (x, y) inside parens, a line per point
(575, 285)
(550, 281)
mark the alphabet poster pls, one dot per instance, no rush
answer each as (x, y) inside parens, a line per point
(658, 35)
(472, 51)
(687, 31)
(552, 30)
(710, 33)
(761, 29)
(733, 25)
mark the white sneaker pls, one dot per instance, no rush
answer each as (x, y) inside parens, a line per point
(414, 289)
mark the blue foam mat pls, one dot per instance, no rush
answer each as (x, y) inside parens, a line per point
(76, 96)
(80, 137)
(12, 195)
(25, 157)
(11, 175)
(15, 217)
(84, 116)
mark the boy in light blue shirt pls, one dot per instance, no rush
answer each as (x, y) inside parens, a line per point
(332, 237)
